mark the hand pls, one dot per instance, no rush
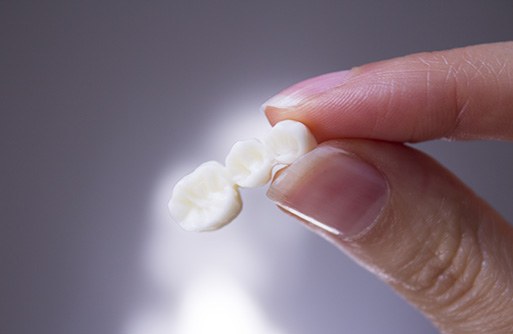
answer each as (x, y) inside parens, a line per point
(393, 209)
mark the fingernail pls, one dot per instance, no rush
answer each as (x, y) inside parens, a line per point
(332, 190)
(301, 91)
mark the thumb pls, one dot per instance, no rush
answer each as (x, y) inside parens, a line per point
(413, 224)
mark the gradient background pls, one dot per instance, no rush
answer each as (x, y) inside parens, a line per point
(104, 104)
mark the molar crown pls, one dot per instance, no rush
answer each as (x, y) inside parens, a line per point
(209, 197)
(250, 163)
(205, 199)
(289, 140)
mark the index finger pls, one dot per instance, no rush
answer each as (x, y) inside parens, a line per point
(464, 93)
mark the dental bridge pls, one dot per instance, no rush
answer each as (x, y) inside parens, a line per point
(209, 197)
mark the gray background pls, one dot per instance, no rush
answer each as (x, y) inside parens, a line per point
(103, 104)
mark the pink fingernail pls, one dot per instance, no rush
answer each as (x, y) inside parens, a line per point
(301, 91)
(332, 190)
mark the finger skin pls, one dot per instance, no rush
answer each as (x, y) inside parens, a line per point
(438, 244)
(464, 93)
(434, 241)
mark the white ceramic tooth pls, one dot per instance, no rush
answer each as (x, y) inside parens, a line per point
(206, 199)
(250, 163)
(288, 140)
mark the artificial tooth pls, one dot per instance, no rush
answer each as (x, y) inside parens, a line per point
(250, 163)
(206, 199)
(288, 140)
(209, 198)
